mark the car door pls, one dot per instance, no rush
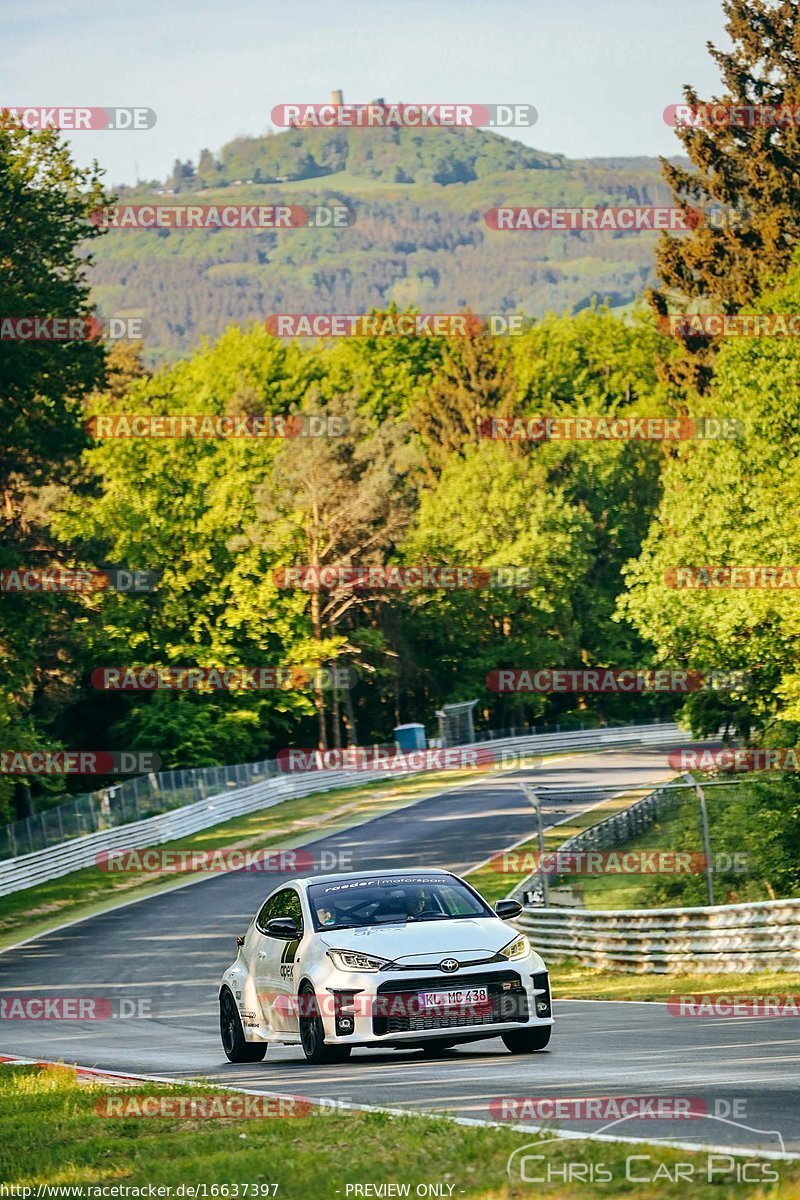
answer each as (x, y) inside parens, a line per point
(275, 963)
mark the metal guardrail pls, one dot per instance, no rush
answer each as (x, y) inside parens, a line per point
(126, 802)
(741, 938)
(30, 869)
(27, 870)
(716, 939)
(148, 795)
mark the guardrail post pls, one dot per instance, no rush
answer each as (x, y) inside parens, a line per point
(533, 797)
(706, 838)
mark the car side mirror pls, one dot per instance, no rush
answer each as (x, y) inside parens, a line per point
(508, 909)
(239, 941)
(282, 927)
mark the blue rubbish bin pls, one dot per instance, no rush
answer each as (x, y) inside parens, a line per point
(410, 737)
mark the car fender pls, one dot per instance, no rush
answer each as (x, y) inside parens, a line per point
(237, 980)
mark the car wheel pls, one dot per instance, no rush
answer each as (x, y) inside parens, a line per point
(527, 1041)
(233, 1041)
(312, 1033)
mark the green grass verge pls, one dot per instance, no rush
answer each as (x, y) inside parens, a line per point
(678, 829)
(51, 1134)
(573, 981)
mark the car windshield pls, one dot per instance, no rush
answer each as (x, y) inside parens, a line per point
(386, 900)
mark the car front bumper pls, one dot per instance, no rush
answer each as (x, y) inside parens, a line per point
(384, 1008)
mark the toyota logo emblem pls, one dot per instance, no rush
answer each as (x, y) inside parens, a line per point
(449, 965)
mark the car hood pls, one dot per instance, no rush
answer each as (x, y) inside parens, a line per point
(425, 941)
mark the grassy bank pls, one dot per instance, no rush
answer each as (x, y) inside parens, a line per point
(572, 981)
(503, 873)
(754, 829)
(52, 1134)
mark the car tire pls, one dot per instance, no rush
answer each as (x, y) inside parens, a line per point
(312, 1033)
(527, 1041)
(236, 1048)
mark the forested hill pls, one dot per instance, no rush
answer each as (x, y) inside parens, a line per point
(419, 238)
(442, 156)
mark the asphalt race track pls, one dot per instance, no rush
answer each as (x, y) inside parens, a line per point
(170, 950)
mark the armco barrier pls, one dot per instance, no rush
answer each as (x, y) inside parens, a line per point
(29, 869)
(728, 938)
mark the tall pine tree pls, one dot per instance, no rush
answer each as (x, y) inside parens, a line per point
(753, 168)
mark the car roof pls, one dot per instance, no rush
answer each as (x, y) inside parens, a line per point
(305, 880)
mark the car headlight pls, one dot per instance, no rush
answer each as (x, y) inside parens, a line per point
(352, 960)
(519, 948)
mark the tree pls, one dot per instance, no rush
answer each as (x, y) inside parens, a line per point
(180, 507)
(491, 509)
(475, 381)
(207, 169)
(182, 174)
(732, 502)
(339, 501)
(45, 205)
(752, 170)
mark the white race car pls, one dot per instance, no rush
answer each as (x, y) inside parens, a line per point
(410, 958)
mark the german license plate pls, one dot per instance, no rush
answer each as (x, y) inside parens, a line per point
(454, 998)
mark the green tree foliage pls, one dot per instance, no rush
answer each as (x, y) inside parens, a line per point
(753, 170)
(45, 202)
(339, 501)
(732, 502)
(182, 507)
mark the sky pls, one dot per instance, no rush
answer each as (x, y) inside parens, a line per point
(600, 74)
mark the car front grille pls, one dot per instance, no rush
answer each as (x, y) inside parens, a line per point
(398, 1010)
